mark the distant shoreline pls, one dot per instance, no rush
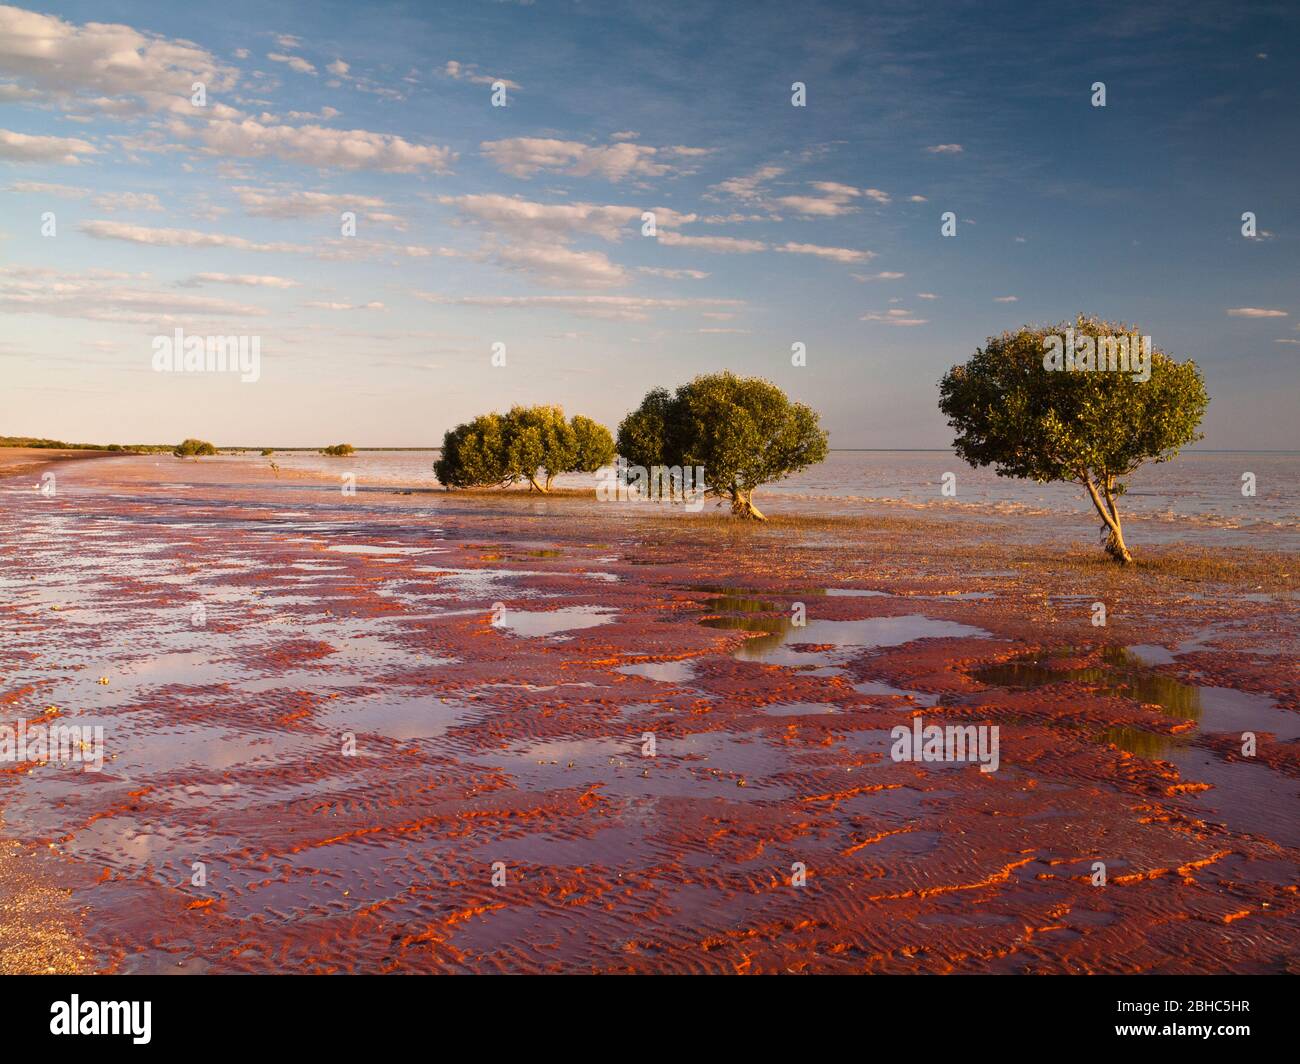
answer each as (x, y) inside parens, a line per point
(14, 460)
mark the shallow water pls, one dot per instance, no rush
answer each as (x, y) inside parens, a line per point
(1200, 487)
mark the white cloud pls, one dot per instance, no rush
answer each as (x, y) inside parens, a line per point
(519, 218)
(673, 275)
(350, 149)
(1255, 312)
(747, 187)
(247, 280)
(338, 68)
(139, 234)
(897, 317)
(885, 275)
(127, 201)
(557, 266)
(323, 305)
(458, 71)
(712, 243)
(293, 62)
(836, 254)
(93, 295)
(22, 148)
(62, 59)
(294, 203)
(524, 156)
(10, 93)
(43, 188)
(945, 149)
(1006, 299)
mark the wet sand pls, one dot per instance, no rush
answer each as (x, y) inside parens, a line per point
(499, 663)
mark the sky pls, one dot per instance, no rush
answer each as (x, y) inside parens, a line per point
(522, 225)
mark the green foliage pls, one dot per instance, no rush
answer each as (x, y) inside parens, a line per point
(193, 448)
(339, 450)
(594, 445)
(641, 435)
(473, 454)
(533, 443)
(1087, 426)
(744, 431)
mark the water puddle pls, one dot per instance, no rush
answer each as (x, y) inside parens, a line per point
(798, 709)
(548, 622)
(663, 671)
(368, 548)
(1244, 795)
(877, 687)
(834, 640)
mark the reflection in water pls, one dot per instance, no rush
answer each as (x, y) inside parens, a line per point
(1125, 675)
(835, 639)
(739, 604)
(776, 630)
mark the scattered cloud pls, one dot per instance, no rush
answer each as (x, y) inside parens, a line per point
(836, 254)
(523, 157)
(459, 71)
(23, 148)
(1255, 312)
(139, 234)
(98, 296)
(293, 62)
(719, 244)
(247, 280)
(60, 60)
(620, 308)
(294, 203)
(747, 188)
(897, 316)
(348, 149)
(673, 275)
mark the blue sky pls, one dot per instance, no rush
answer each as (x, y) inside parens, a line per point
(522, 224)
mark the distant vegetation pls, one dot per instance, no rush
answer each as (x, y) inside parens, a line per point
(744, 431)
(339, 450)
(1087, 426)
(193, 448)
(267, 452)
(34, 442)
(534, 444)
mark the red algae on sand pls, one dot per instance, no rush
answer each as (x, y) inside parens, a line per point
(436, 733)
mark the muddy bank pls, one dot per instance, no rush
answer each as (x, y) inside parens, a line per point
(442, 733)
(36, 460)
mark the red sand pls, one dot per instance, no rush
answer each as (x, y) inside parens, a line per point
(477, 745)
